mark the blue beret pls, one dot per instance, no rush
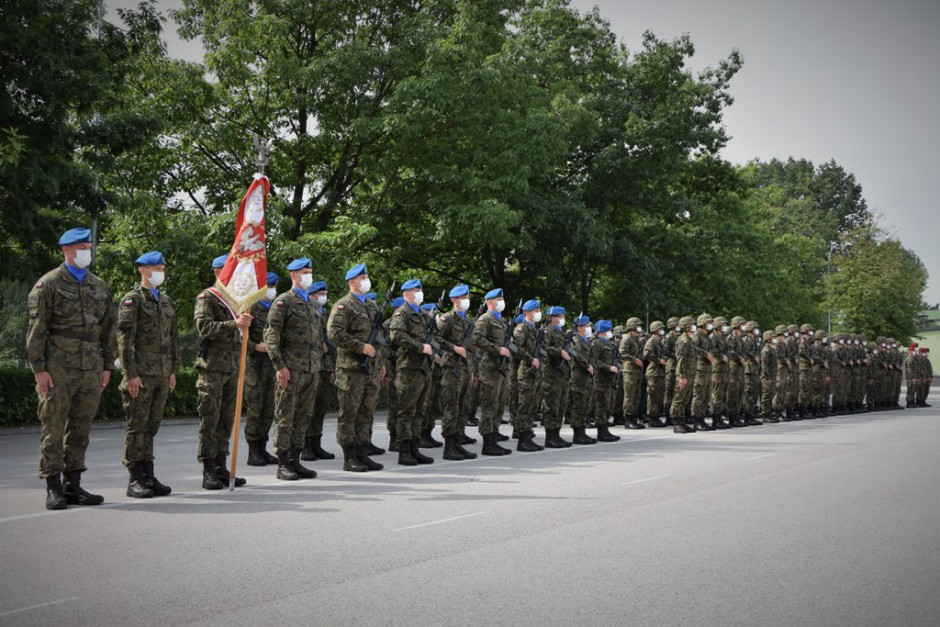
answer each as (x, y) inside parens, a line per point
(153, 258)
(531, 305)
(410, 284)
(556, 311)
(371, 295)
(299, 264)
(460, 290)
(272, 278)
(583, 320)
(494, 293)
(75, 236)
(519, 319)
(319, 286)
(356, 270)
(219, 261)
(398, 302)
(429, 306)
(603, 326)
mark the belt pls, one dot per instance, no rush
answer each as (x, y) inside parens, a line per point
(84, 336)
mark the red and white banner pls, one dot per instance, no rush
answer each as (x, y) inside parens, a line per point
(244, 278)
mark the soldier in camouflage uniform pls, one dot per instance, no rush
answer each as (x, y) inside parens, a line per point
(768, 373)
(631, 357)
(752, 379)
(874, 373)
(580, 388)
(530, 353)
(71, 348)
(217, 380)
(407, 334)
(669, 348)
(617, 338)
(455, 337)
(858, 379)
(376, 374)
(782, 350)
(390, 357)
(313, 443)
(294, 340)
(912, 376)
(735, 350)
(793, 372)
(819, 354)
(260, 383)
(898, 376)
(686, 361)
(654, 355)
(926, 378)
(432, 409)
(806, 360)
(489, 338)
(148, 344)
(555, 377)
(706, 359)
(720, 373)
(606, 378)
(838, 373)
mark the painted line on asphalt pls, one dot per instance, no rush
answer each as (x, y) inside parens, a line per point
(38, 606)
(759, 456)
(647, 479)
(437, 522)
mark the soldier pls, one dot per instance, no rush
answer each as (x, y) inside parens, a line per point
(705, 355)
(432, 409)
(372, 398)
(529, 343)
(686, 361)
(631, 356)
(911, 367)
(514, 381)
(720, 374)
(390, 357)
(669, 347)
(782, 365)
(654, 354)
(926, 377)
(617, 338)
(793, 372)
(313, 443)
(71, 348)
(606, 379)
(556, 376)
(752, 380)
(819, 355)
(736, 359)
(148, 344)
(837, 373)
(897, 375)
(489, 338)
(260, 382)
(858, 364)
(582, 375)
(807, 360)
(407, 333)
(455, 337)
(768, 373)
(217, 379)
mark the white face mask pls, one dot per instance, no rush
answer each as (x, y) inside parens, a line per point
(725, 328)
(82, 258)
(756, 332)
(742, 328)
(694, 328)
(306, 280)
(875, 351)
(271, 293)
(825, 340)
(607, 335)
(419, 297)
(321, 300)
(365, 285)
(537, 317)
(774, 341)
(709, 326)
(588, 333)
(662, 332)
(500, 305)
(561, 322)
(463, 304)
(156, 279)
(639, 330)
(786, 334)
(678, 329)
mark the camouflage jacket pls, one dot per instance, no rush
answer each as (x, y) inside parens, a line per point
(327, 359)
(630, 351)
(489, 333)
(582, 358)
(525, 337)
(221, 340)
(294, 333)
(452, 330)
(407, 332)
(605, 354)
(349, 326)
(148, 335)
(70, 323)
(703, 347)
(751, 354)
(735, 350)
(686, 359)
(652, 353)
(555, 343)
(768, 361)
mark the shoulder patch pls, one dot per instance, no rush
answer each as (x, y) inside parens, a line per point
(202, 296)
(279, 303)
(341, 307)
(397, 313)
(38, 285)
(129, 303)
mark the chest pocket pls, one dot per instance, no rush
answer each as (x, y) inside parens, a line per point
(68, 306)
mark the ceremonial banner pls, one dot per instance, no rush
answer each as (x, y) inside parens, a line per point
(243, 280)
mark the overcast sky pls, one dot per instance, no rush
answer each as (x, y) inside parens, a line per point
(850, 80)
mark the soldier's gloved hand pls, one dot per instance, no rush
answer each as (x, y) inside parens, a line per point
(243, 321)
(172, 382)
(133, 386)
(261, 347)
(368, 350)
(283, 377)
(44, 383)
(105, 378)
(460, 350)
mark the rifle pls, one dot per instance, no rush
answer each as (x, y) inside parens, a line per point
(507, 340)
(429, 337)
(377, 335)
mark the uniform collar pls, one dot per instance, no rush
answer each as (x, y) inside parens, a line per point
(414, 307)
(154, 292)
(360, 297)
(79, 274)
(265, 303)
(302, 293)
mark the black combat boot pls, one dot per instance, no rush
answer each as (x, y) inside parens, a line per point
(553, 439)
(581, 436)
(463, 438)
(526, 445)
(255, 458)
(152, 482)
(499, 436)
(351, 461)
(739, 421)
(426, 441)
(363, 456)
(224, 475)
(752, 421)
(75, 494)
(302, 471)
(284, 470)
(322, 453)
(632, 423)
(679, 426)
(210, 480)
(490, 447)
(451, 451)
(420, 457)
(308, 454)
(369, 447)
(701, 425)
(268, 457)
(604, 434)
(55, 497)
(719, 423)
(136, 487)
(393, 446)
(466, 454)
(405, 457)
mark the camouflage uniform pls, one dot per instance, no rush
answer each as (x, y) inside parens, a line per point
(793, 372)
(324, 391)
(782, 350)
(736, 365)
(807, 360)
(720, 373)
(705, 356)
(654, 354)
(556, 377)
(71, 335)
(768, 374)
(686, 361)
(525, 337)
(605, 382)
(820, 359)
(412, 384)
(669, 347)
(489, 334)
(630, 353)
(752, 379)
(259, 382)
(456, 329)
(580, 386)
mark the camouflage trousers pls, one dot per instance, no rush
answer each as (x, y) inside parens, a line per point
(820, 399)
(411, 386)
(493, 389)
(143, 415)
(768, 393)
(216, 406)
(513, 394)
(632, 385)
(371, 401)
(655, 392)
(355, 389)
(528, 387)
(65, 416)
(433, 410)
(719, 391)
(681, 401)
(805, 397)
(392, 417)
(580, 394)
(555, 396)
(701, 390)
(735, 394)
(293, 410)
(793, 387)
(858, 385)
(780, 390)
(321, 403)
(670, 384)
(751, 392)
(455, 394)
(260, 382)
(605, 391)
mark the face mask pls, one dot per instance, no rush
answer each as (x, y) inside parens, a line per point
(678, 329)
(537, 317)
(756, 332)
(365, 285)
(321, 300)
(82, 258)
(661, 332)
(694, 328)
(841, 342)
(855, 342)
(419, 297)
(875, 351)
(306, 280)
(774, 341)
(639, 330)
(588, 333)
(709, 326)
(464, 304)
(500, 305)
(786, 334)
(561, 322)
(825, 341)
(156, 279)
(271, 293)
(606, 335)
(725, 328)
(742, 328)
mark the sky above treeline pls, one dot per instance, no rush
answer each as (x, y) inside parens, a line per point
(851, 80)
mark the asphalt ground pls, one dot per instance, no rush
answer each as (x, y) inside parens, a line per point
(830, 521)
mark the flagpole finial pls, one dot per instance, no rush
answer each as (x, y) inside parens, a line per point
(263, 147)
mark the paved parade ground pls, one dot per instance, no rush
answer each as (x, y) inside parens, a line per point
(832, 521)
